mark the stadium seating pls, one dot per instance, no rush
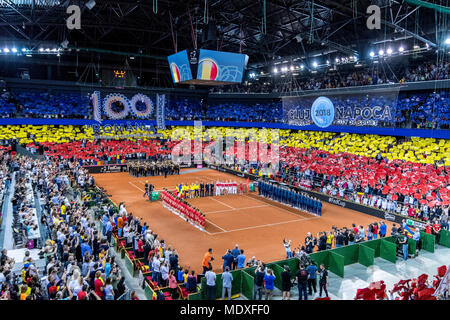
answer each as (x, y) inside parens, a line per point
(60, 105)
(415, 110)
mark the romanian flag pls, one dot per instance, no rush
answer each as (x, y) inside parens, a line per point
(408, 231)
(175, 73)
(209, 69)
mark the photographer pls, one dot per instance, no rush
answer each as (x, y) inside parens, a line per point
(116, 275)
(259, 281)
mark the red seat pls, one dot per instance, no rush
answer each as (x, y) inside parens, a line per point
(149, 279)
(442, 271)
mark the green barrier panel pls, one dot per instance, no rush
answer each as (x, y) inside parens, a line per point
(148, 292)
(373, 244)
(390, 239)
(350, 253)
(336, 263)
(251, 187)
(248, 283)
(155, 195)
(412, 246)
(195, 296)
(277, 271)
(236, 284)
(203, 289)
(219, 285)
(250, 271)
(319, 258)
(445, 238)
(427, 241)
(388, 250)
(366, 255)
(129, 265)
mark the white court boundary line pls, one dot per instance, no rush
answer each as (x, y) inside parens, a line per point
(135, 186)
(279, 207)
(223, 203)
(223, 230)
(236, 209)
(262, 226)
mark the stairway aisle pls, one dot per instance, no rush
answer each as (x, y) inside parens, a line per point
(6, 235)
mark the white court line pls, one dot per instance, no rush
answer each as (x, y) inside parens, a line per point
(135, 186)
(262, 226)
(222, 203)
(224, 231)
(277, 207)
(236, 209)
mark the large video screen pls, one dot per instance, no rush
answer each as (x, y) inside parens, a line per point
(179, 67)
(221, 66)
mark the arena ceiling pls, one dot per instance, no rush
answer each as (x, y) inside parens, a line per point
(113, 30)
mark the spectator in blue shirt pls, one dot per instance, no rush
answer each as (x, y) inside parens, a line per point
(235, 252)
(108, 230)
(312, 270)
(107, 267)
(269, 283)
(227, 279)
(85, 247)
(105, 220)
(383, 229)
(228, 259)
(241, 260)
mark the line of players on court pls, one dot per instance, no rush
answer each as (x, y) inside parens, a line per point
(183, 209)
(205, 189)
(290, 197)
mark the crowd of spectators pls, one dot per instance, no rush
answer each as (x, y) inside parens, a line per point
(423, 72)
(416, 110)
(375, 182)
(78, 262)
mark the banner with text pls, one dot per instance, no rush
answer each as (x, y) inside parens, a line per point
(377, 108)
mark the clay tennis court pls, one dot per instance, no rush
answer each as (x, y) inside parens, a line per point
(256, 224)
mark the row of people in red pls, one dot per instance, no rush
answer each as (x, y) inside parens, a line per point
(184, 209)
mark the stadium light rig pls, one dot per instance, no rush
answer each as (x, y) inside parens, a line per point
(447, 41)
